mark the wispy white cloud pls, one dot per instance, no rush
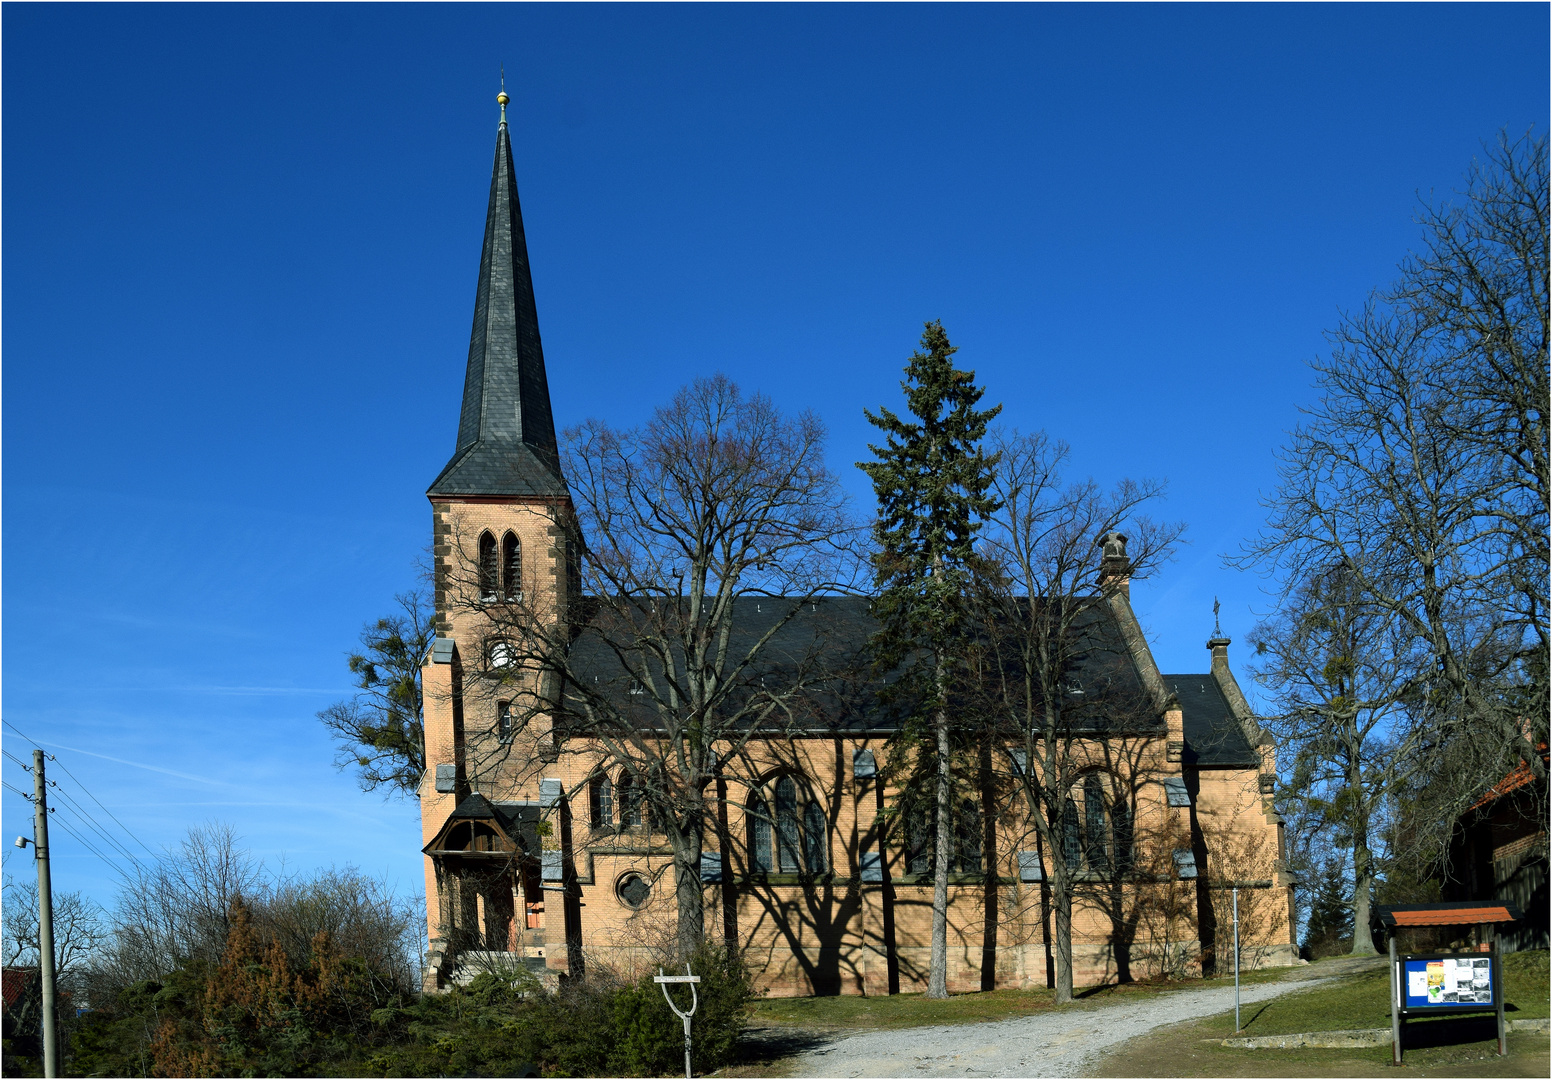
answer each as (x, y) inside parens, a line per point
(135, 764)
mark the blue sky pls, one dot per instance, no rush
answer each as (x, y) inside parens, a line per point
(241, 244)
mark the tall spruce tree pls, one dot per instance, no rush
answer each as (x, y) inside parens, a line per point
(931, 479)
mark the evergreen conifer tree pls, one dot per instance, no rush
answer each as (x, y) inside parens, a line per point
(931, 478)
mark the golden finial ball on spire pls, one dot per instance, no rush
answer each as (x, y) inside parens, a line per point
(502, 99)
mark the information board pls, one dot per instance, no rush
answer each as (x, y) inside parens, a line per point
(1448, 982)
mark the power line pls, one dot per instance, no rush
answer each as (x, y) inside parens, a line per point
(62, 823)
(16, 759)
(105, 810)
(24, 794)
(92, 823)
(88, 792)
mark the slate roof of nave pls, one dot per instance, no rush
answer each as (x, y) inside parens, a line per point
(1214, 736)
(831, 636)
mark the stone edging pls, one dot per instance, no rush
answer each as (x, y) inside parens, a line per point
(1348, 1040)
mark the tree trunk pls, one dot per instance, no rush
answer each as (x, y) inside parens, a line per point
(937, 979)
(1061, 900)
(687, 891)
(1363, 885)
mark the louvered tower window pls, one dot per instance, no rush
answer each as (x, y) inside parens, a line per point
(511, 568)
(489, 571)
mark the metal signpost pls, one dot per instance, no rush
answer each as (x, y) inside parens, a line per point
(1236, 960)
(663, 981)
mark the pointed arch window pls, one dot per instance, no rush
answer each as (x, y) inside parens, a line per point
(1121, 826)
(504, 725)
(511, 568)
(489, 569)
(919, 838)
(967, 838)
(787, 825)
(630, 800)
(1096, 832)
(1097, 827)
(760, 860)
(602, 802)
(790, 833)
(816, 838)
(1072, 837)
(921, 829)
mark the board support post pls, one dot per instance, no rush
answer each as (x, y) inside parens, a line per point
(1396, 985)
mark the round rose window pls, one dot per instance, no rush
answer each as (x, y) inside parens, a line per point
(633, 890)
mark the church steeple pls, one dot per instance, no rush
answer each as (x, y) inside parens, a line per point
(506, 435)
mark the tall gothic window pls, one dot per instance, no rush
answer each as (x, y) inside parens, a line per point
(511, 568)
(602, 802)
(1072, 837)
(504, 721)
(787, 825)
(1096, 838)
(1121, 826)
(795, 838)
(921, 837)
(816, 838)
(760, 837)
(630, 802)
(489, 569)
(967, 838)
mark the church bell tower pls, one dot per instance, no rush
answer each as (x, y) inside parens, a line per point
(501, 532)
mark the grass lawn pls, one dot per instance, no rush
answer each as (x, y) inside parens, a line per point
(1464, 1047)
(830, 1014)
(1364, 1001)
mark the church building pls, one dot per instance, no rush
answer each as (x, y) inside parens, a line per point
(538, 854)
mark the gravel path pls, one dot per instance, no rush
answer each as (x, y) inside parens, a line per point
(1064, 1043)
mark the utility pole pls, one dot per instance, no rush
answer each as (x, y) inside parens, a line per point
(40, 844)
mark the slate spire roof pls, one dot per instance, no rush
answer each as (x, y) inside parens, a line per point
(506, 435)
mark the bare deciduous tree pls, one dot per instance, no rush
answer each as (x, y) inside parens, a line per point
(1422, 475)
(177, 910)
(1341, 671)
(704, 542)
(1054, 563)
(80, 930)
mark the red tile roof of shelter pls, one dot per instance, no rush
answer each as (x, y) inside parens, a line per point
(1457, 914)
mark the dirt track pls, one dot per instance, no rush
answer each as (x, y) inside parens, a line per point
(1060, 1043)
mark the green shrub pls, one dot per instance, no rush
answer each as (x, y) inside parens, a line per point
(500, 1025)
